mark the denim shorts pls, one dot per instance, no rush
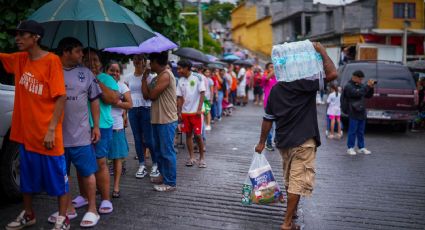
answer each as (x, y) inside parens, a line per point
(42, 173)
(83, 158)
(103, 146)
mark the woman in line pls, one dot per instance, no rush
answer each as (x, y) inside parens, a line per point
(119, 147)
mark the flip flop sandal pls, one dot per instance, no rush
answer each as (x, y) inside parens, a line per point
(105, 207)
(89, 217)
(292, 227)
(52, 218)
(116, 194)
(189, 163)
(164, 188)
(202, 164)
(79, 202)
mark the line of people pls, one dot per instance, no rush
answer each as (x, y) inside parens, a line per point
(68, 113)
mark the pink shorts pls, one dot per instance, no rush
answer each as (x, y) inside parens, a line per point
(334, 117)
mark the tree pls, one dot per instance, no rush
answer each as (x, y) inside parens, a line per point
(14, 11)
(192, 40)
(219, 11)
(162, 16)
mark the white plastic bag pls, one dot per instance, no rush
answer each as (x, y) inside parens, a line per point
(263, 184)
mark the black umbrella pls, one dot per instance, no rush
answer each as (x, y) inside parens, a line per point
(243, 63)
(216, 65)
(192, 54)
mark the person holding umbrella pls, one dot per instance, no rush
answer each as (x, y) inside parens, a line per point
(78, 136)
(109, 97)
(40, 97)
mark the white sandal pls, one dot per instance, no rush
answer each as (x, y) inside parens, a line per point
(52, 218)
(89, 217)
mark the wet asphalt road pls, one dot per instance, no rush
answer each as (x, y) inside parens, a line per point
(385, 190)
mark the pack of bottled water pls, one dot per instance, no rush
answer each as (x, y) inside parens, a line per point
(297, 60)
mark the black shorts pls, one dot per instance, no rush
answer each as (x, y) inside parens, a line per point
(258, 90)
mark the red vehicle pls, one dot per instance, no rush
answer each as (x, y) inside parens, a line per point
(395, 99)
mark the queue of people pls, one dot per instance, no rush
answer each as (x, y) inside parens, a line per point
(69, 109)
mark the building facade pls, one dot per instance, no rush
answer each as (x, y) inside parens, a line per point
(251, 26)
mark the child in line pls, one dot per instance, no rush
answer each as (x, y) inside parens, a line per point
(334, 111)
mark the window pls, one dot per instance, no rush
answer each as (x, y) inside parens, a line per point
(404, 10)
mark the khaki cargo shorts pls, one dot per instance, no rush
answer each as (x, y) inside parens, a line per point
(299, 168)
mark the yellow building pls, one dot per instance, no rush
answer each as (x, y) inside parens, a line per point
(391, 14)
(251, 32)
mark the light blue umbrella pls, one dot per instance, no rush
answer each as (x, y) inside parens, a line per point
(96, 23)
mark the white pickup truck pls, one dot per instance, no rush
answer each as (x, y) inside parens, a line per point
(9, 154)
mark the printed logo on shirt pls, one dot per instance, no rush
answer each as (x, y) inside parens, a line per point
(31, 83)
(192, 83)
(81, 76)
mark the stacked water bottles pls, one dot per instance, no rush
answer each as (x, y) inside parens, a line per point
(297, 60)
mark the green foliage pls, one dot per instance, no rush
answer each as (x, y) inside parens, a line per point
(219, 11)
(162, 16)
(14, 11)
(211, 46)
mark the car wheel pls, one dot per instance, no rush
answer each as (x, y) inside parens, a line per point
(402, 127)
(10, 172)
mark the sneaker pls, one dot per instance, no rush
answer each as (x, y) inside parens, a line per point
(142, 172)
(351, 151)
(269, 147)
(154, 171)
(22, 221)
(365, 151)
(208, 128)
(62, 223)
(331, 136)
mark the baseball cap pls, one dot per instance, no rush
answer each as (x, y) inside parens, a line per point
(30, 26)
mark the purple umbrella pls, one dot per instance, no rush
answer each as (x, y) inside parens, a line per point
(156, 44)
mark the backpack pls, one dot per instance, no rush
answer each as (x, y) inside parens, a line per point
(344, 103)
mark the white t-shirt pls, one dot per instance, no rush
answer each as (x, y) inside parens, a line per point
(334, 104)
(242, 73)
(117, 112)
(135, 85)
(190, 89)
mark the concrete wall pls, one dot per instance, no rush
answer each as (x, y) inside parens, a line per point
(259, 36)
(358, 15)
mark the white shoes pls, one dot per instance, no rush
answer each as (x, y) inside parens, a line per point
(207, 128)
(351, 151)
(142, 172)
(154, 171)
(365, 151)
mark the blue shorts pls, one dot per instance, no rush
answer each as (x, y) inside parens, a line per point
(83, 158)
(43, 173)
(103, 146)
(119, 147)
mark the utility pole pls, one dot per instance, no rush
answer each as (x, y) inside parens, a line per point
(406, 24)
(200, 25)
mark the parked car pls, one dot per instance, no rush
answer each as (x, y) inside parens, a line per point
(9, 152)
(395, 99)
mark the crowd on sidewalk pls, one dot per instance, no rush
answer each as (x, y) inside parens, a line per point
(73, 109)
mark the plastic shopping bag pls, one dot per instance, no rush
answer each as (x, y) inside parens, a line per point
(264, 188)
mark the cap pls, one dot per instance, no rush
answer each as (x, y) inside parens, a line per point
(30, 26)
